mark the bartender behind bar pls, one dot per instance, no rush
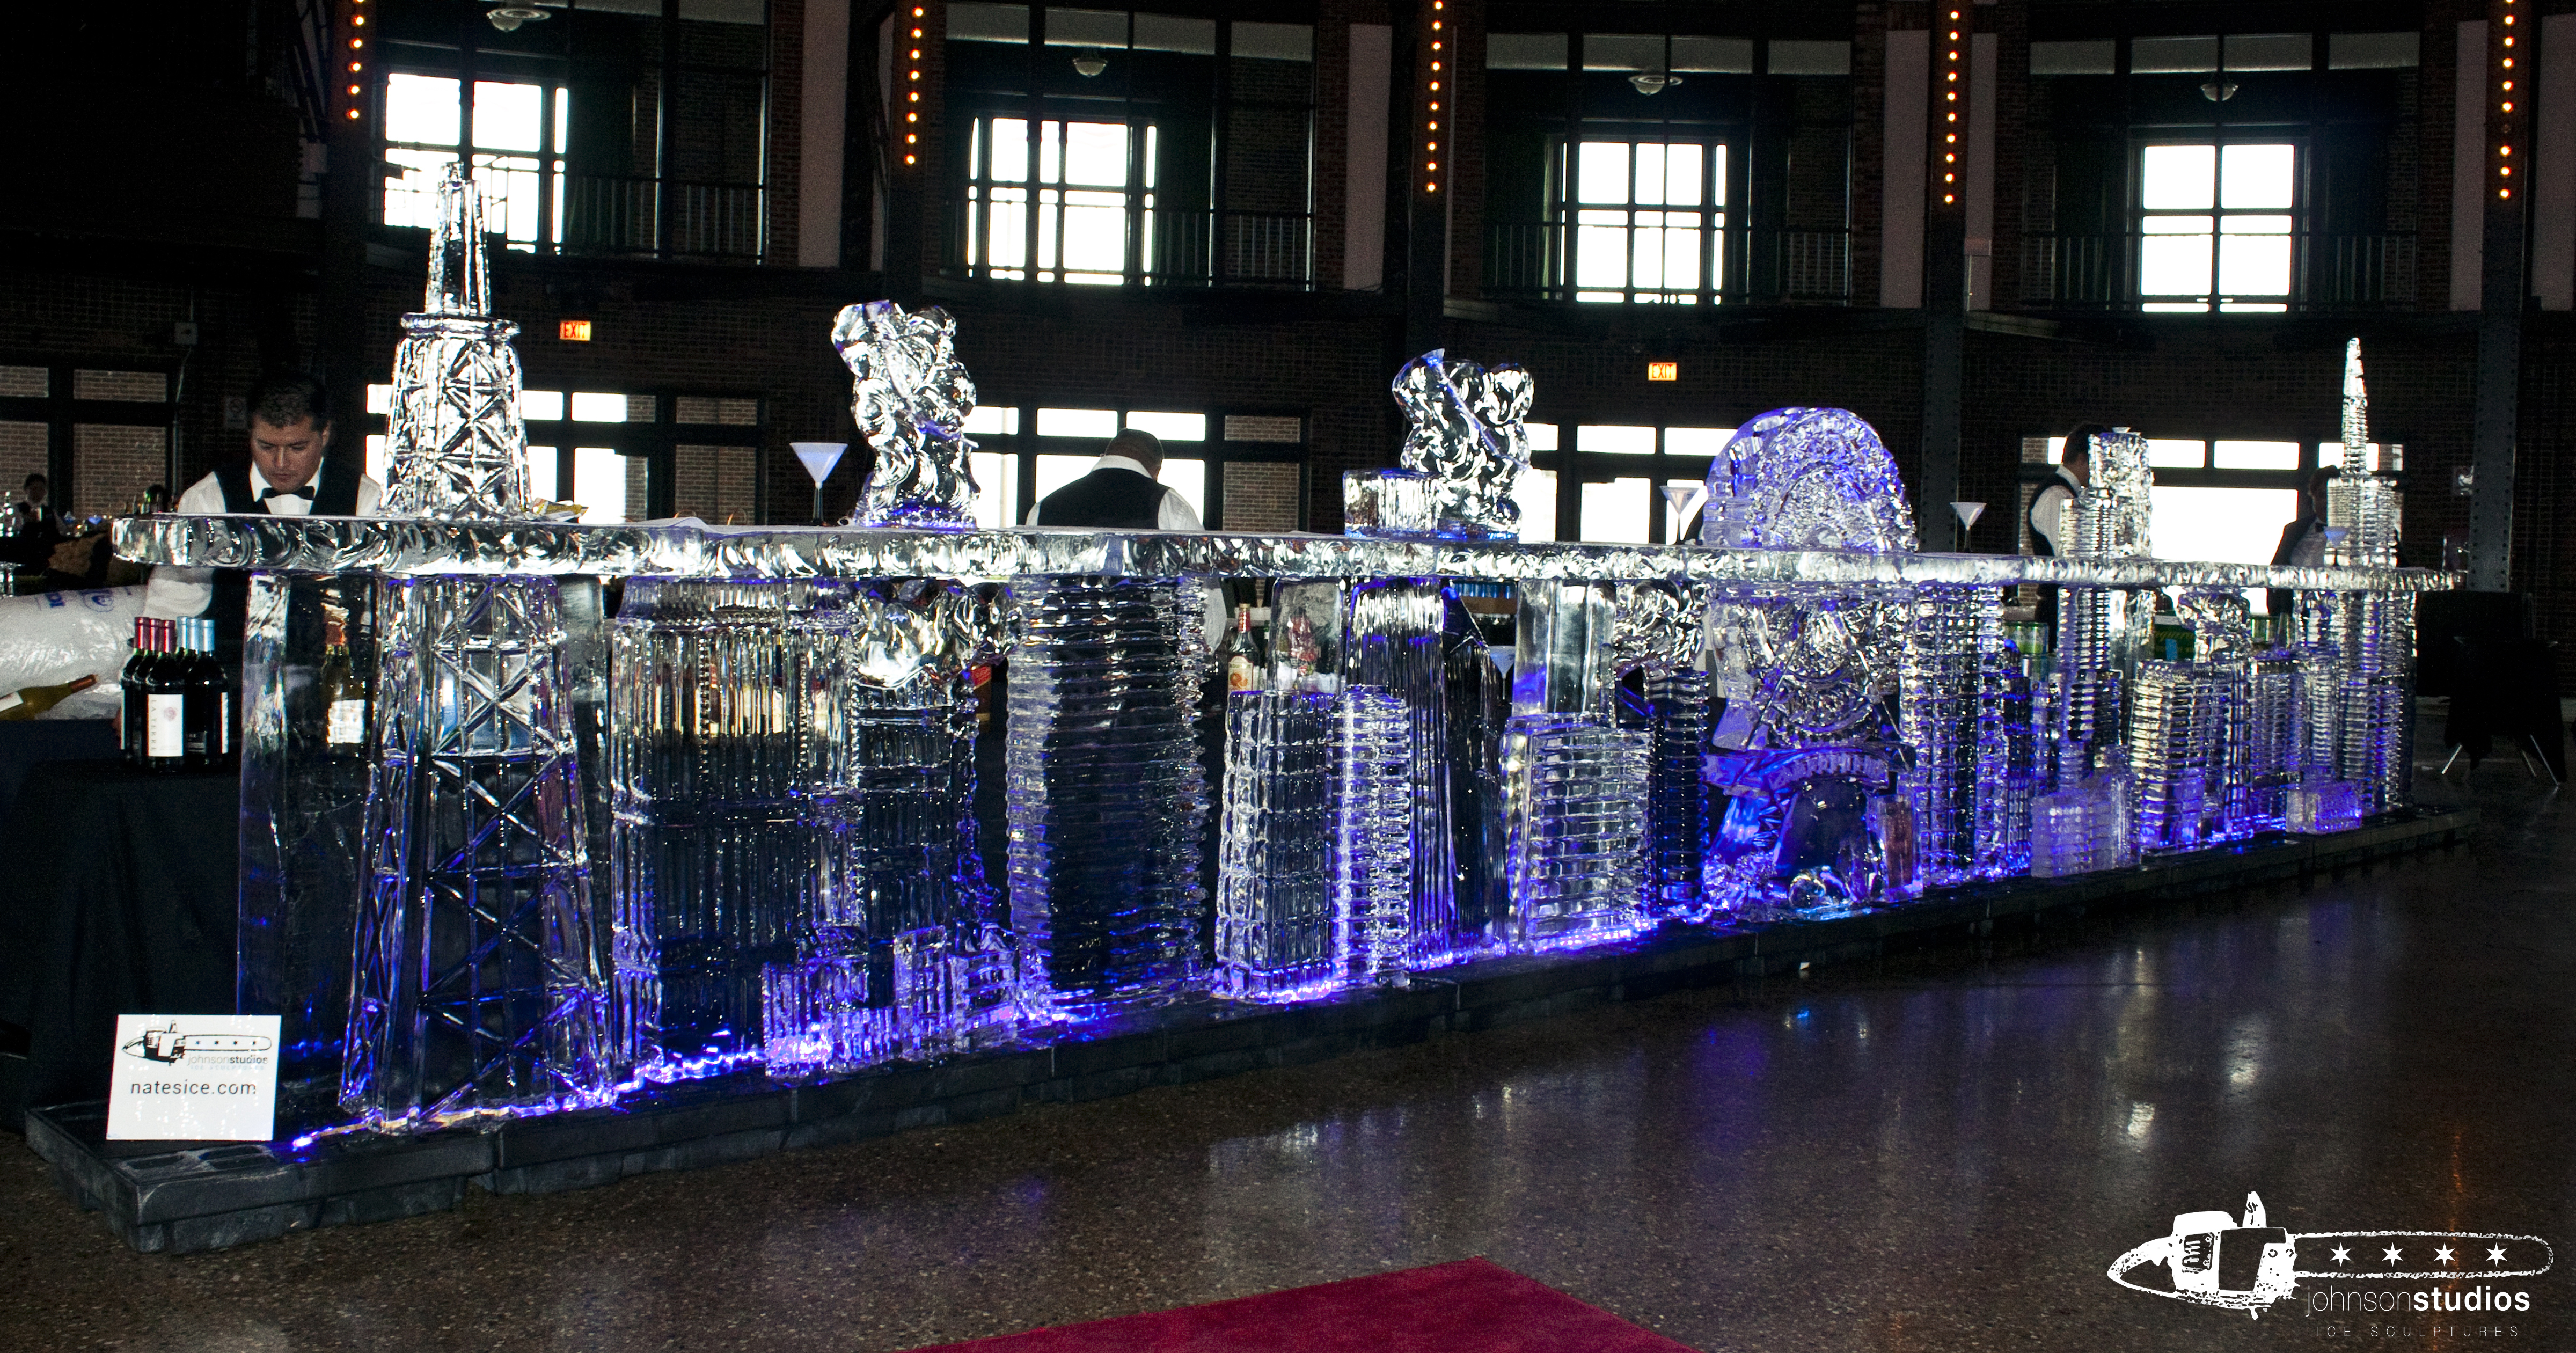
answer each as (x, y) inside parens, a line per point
(290, 473)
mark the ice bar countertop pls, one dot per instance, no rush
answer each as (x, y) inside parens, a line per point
(688, 548)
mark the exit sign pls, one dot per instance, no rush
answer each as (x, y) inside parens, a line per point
(1663, 371)
(573, 331)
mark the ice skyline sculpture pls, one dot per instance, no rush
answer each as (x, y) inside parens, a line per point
(478, 982)
(910, 395)
(1461, 459)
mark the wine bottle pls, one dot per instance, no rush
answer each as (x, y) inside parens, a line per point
(1243, 664)
(165, 705)
(35, 700)
(344, 692)
(209, 724)
(129, 684)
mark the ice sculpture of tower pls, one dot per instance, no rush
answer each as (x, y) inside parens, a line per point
(2097, 630)
(2375, 630)
(1107, 802)
(478, 984)
(1800, 750)
(1275, 922)
(910, 395)
(725, 774)
(1462, 457)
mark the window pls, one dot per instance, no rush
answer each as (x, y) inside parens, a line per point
(2215, 226)
(99, 435)
(2221, 499)
(1621, 482)
(1237, 471)
(517, 132)
(1647, 219)
(1078, 175)
(630, 457)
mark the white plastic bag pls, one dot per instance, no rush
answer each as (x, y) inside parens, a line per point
(54, 637)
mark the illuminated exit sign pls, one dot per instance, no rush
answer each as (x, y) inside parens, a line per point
(578, 331)
(1663, 371)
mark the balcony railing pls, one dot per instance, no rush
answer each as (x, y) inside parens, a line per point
(664, 218)
(1176, 248)
(1538, 261)
(2328, 272)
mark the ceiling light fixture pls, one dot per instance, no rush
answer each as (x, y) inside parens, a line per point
(1656, 81)
(1089, 62)
(507, 18)
(2219, 89)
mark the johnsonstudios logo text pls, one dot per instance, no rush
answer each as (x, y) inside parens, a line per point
(2247, 1264)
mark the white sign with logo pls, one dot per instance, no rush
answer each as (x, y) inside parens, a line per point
(195, 1078)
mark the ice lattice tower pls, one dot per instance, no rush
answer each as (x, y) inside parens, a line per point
(2374, 630)
(910, 394)
(478, 983)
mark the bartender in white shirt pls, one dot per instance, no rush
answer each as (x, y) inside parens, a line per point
(288, 475)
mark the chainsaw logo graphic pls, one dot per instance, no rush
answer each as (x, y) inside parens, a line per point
(2248, 1264)
(170, 1045)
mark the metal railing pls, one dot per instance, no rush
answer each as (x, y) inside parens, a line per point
(2328, 272)
(1170, 247)
(664, 218)
(1538, 260)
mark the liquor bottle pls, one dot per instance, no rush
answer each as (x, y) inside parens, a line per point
(165, 704)
(1244, 661)
(129, 684)
(344, 688)
(35, 700)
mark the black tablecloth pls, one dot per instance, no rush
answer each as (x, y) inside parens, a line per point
(120, 895)
(24, 742)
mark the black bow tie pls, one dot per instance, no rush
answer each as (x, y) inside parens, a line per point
(305, 493)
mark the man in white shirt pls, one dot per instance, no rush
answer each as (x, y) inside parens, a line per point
(287, 476)
(2048, 510)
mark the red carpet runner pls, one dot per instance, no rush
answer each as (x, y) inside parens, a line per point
(1467, 1307)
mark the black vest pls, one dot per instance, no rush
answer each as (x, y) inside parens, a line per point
(335, 488)
(335, 494)
(1105, 499)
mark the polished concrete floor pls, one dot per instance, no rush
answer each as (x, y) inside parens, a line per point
(1940, 1154)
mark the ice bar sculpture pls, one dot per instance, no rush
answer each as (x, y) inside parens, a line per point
(910, 395)
(1677, 704)
(726, 767)
(1107, 801)
(1461, 460)
(2007, 699)
(1275, 923)
(1372, 835)
(478, 984)
(1575, 805)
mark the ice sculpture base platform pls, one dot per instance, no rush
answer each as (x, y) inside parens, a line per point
(178, 1197)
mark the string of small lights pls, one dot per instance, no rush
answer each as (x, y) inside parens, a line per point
(2501, 48)
(1438, 47)
(912, 90)
(1952, 69)
(357, 86)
